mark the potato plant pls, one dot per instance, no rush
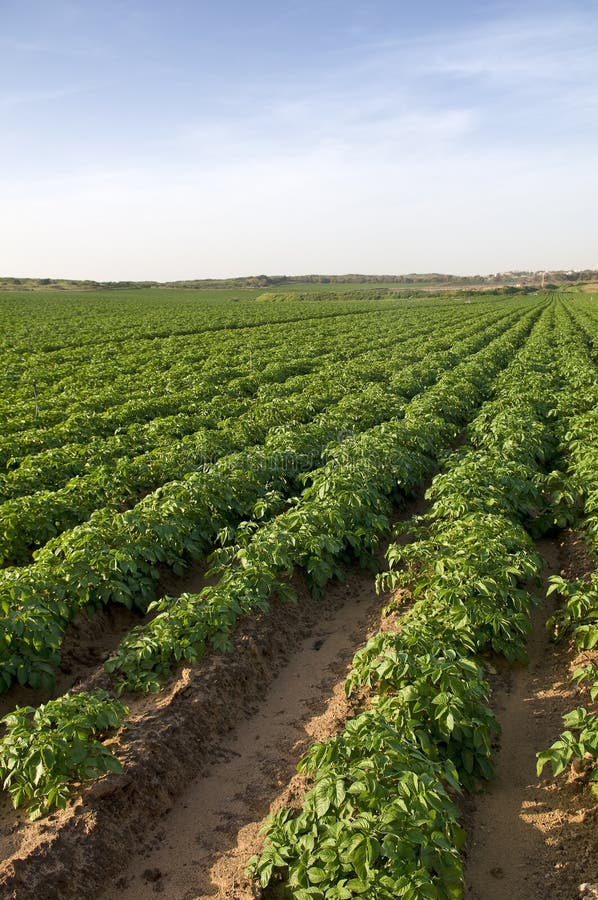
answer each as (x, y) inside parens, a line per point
(114, 557)
(45, 750)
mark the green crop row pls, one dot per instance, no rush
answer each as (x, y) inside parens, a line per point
(379, 820)
(114, 557)
(338, 516)
(91, 390)
(30, 521)
(342, 512)
(104, 394)
(577, 617)
(213, 382)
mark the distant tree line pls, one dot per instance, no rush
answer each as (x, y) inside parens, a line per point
(547, 279)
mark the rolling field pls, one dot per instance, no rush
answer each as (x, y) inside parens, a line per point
(188, 477)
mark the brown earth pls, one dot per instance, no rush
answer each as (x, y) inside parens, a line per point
(534, 838)
(179, 735)
(201, 847)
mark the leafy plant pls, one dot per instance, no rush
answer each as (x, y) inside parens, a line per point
(378, 821)
(44, 750)
(577, 746)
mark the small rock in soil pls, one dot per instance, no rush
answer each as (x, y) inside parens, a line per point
(152, 874)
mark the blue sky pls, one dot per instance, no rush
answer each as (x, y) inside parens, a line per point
(191, 139)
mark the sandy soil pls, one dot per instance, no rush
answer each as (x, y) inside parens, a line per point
(180, 734)
(200, 849)
(534, 838)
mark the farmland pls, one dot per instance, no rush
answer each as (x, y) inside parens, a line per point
(186, 479)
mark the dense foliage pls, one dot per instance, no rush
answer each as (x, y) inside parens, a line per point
(144, 431)
(467, 565)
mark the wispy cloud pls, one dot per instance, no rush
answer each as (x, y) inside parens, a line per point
(511, 78)
(25, 98)
(546, 56)
(512, 47)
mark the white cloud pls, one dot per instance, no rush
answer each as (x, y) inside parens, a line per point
(24, 98)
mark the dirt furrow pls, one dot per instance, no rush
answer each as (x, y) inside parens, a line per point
(532, 838)
(288, 667)
(201, 847)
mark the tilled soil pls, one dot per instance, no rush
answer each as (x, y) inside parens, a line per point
(534, 838)
(201, 847)
(178, 736)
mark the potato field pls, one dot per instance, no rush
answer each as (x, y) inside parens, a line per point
(194, 482)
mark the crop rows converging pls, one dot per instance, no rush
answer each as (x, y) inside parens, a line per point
(276, 439)
(380, 819)
(114, 555)
(242, 412)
